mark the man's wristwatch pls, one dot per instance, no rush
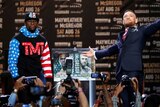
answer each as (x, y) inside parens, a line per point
(15, 90)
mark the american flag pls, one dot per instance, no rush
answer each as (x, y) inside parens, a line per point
(57, 66)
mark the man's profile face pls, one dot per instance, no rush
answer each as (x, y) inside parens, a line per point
(62, 59)
(84, 60)
(31, 25)
(129, 19)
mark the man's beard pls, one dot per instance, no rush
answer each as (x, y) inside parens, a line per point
(130, 24)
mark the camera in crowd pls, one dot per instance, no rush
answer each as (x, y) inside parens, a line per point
(100, 75)
(29, 80)
(126, 80)
(68, 82)
(71, 91)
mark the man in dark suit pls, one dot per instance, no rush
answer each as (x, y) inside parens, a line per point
(129, 47)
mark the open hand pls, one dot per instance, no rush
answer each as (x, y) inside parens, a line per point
(89, 53)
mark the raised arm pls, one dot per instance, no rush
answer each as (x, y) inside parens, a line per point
(152, 28)
(102, 53)
(81, 96)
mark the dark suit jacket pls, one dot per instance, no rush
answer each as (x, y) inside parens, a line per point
(130, 51)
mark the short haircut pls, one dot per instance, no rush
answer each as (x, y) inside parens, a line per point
(128, 10)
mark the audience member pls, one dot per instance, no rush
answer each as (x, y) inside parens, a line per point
(19, 85)
(82, 99)
(114, 100)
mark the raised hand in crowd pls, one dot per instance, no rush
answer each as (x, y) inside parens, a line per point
(19, 84)
(118, 89)
(81, 96)
(107, 97)
(135, 84)
(38, 82)
(48, 86)
(60, 92)
(99, 99)
(138, 102)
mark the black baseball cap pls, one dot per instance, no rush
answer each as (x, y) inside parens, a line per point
(31, 16)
